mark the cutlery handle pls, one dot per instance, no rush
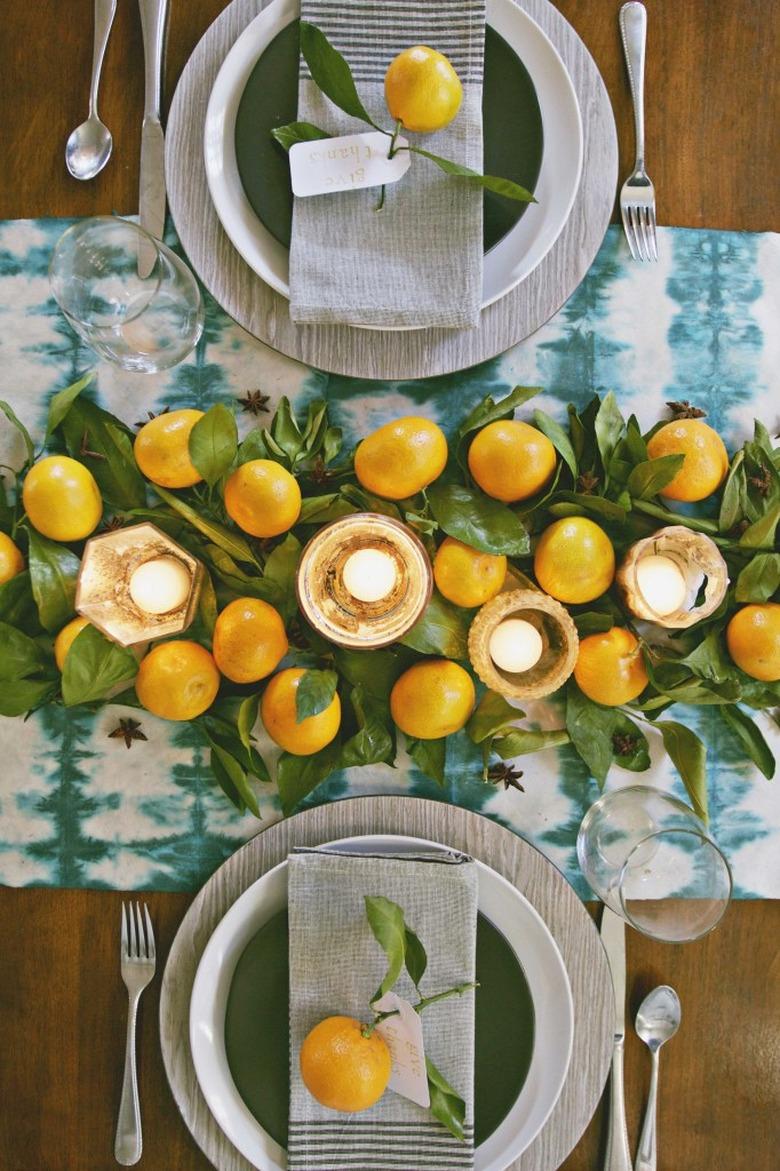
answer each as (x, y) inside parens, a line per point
(105, 11)
(633, 29)
(618, 1155)
(153, 17)
(129, 1140)
(647, 1152)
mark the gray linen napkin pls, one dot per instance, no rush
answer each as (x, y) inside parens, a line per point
(418, 262)
(336, 966)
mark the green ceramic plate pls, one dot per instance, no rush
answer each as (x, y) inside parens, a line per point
(257, 1038)
(512, 121)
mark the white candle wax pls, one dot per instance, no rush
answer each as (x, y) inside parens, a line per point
(159, 585)
(661, 583)
(369, 575)
(515, 645)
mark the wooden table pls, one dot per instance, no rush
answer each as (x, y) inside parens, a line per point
(713, 91)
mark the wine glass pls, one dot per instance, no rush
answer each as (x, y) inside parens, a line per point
(126, 294)
(653, 862)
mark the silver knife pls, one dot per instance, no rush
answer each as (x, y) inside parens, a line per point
(613, 936)
(151, 192)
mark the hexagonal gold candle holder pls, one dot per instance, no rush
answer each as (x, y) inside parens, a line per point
(103, 588)
(330, 608)
(559, 644)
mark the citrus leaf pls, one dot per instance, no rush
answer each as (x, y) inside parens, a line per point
(294, 132)
(331, 72)
(592, 622)
(446, 1104)
(88, 426)
(53, 573)
(609, 427)
(314, 693)
(521, 741)
(761, 533)
(233, 544)
(17, 604)
(429, 756)
(60, 403)
(732, 504)
(689, 757)
(478, 520)
(20, 655)
(492, 714)
(416, 958)
(19, 696)
(558, 437)
(94, 666)
(759, 580)
(213, 442)
(247, 718)
(590, 728)
(494, 183)
(442, 630)
(386, 920)
(751, 739)
(649, 477)
(9, 413)
(232, 779)
(297, 776)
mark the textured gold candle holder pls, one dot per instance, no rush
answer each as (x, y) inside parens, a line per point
(103, 588)
(559, 644)
(330, 608)
(701, 564)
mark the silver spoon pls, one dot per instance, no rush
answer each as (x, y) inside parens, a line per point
(657, 1020)
(89, 147)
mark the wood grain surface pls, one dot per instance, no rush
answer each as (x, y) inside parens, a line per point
(713, 94)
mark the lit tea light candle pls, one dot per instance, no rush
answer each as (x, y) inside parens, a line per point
(662, 583)
(160, 585)
(369, 575)
(515, 645)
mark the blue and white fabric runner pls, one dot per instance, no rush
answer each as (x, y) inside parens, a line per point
(78, 809)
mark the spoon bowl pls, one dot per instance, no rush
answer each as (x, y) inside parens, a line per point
(658, 1018)
(88, 149)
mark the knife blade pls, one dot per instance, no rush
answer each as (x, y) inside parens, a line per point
(151, 186)
(613, 937)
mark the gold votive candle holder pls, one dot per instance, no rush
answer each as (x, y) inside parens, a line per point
(103, 587)
(333, 611)
(559, 644)
(700, 563)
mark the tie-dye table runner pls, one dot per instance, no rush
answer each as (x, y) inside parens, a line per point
(78, 809)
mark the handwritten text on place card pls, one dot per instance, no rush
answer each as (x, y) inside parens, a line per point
(403, 1036)
(347, 163)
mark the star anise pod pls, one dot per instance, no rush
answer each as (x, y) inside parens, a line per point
(740, 527)
(761, 480)
(507, 773)
(255, 402)
(319, 472)
(151, 415)
(685, 410)
(127, 730)
(623, 743)
(587, 483)
(114, 523)
(84, 450)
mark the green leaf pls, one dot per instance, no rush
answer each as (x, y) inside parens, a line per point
(116, 473)
(751, 739)
(609, 427)
(648, 478)
(446, 1104)
(247, 718)
(20, 655)
(294, 132)
(442, 630)
(375, 671)
(314, 693)
(17, 604)
(492, 714)
(331, 72)
(489, 411)
(760, 579)
(732, 504)
(416, 958)
(213, 442)
(220, 725)
(761, 533)
(590, 728)
(281, 564)
(94, 666)
(522, 741)
(373, 743)
(19, 696)
(232, 544)
(592, 622)
(689, 757)
(321, 509)
(20, 427)
(386, 920)
(429, 756)
(598, 506)
(559, 439)
(61, 402)
(494, 183)
(478, 520)
(297, 776)
(232, 779)
(207, 605)
(53, 573)
(637, 758)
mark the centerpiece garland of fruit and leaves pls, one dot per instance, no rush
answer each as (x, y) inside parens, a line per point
(246, 507)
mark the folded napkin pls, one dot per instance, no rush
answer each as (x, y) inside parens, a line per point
(418, 262)
(336, 966)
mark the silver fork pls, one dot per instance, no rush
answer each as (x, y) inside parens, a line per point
(137, 965)
(637, 195)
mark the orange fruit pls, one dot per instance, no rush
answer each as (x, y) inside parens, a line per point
(280, 717)
(706, 460)
(62, 499)
(574, 560)
(434, 698)
(753, 639)
(11, 560)
(343, 1069)
(263, 498)
(422, 90)
(467, 576)
(177, 680)
(511, 460)
(65, 639)
(162, 449)
(401, 458)
(249, 640)
(610, 668)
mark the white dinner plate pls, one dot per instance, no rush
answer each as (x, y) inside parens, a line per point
(500, 902)
(512, 259)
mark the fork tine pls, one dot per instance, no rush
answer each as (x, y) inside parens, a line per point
(629, 232)
(125, 951)
(653, 232)
(133, 932)
(632, 215)
(150, 951)
(645, 232)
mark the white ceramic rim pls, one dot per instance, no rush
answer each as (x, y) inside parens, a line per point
(498, 900)
(505, 265)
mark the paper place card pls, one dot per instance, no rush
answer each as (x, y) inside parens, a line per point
(346, 164)
(403, 1036)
